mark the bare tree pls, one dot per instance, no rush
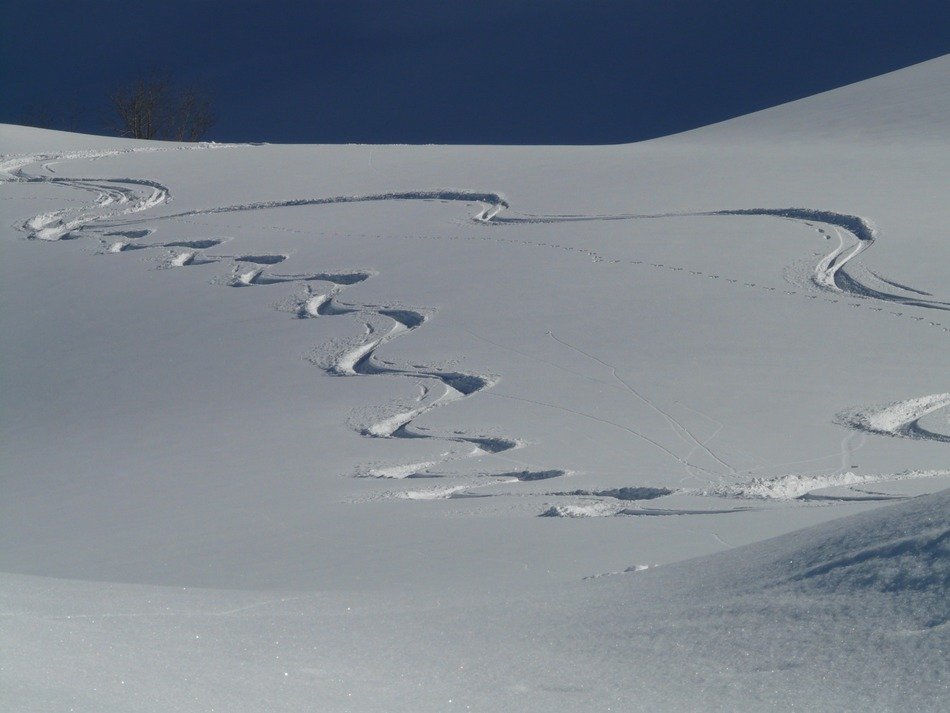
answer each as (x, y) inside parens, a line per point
(193, 115)
(142, 107)
(153, 108)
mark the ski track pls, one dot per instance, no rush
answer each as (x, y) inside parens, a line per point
(604, 509)
(793, 489)
(827, 294)
(899, 418)
(115, 197)
(803, 487)
(438, 387)
(491, 203)
(119, 199)
(855, 235)
(381, 325)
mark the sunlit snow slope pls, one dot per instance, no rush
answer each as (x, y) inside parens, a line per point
(412, 427)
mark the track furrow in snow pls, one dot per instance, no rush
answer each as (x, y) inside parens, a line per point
(899, 418)
(115, 197)
(855, 235)
(439, 388)
(117, 201)
(491, 203)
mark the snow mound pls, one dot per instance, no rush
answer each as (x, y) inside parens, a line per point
(898, 418)
(887, 568)
(765, 621)
(587, 509)
(625, 493)
(794, 486)
(900, 550)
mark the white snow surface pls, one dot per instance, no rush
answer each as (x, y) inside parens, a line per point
(901, 418)
(280, 423)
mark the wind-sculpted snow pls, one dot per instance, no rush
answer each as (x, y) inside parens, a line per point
(902, 550)
(918, 560)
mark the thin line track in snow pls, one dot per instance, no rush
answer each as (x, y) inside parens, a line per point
(607, 422)
(829, 273)
(830, 292)
(677, 425)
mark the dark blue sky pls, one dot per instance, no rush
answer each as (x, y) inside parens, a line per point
(420, 71)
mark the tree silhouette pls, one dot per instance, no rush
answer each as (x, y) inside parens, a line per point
(154, 108)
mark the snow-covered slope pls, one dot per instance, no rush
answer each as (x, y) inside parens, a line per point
(892, 109)
(338, 386)
(850, 615)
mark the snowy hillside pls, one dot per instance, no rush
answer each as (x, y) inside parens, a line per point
(426, 427)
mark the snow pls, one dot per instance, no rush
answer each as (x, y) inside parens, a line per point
(715, 363)
(899, 418)
(790, 487)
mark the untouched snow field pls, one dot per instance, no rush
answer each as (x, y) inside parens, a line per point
(429, 428)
